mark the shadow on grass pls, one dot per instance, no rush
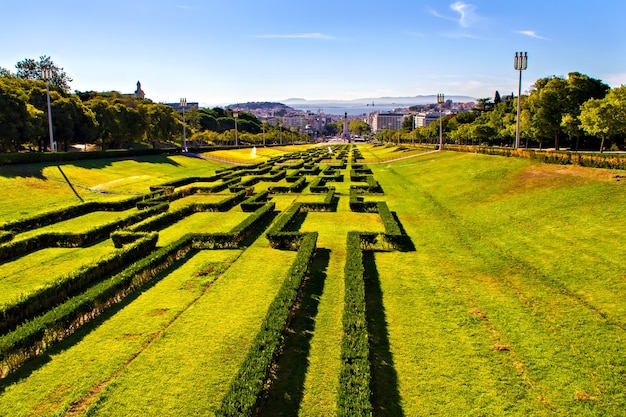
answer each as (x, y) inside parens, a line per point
(407, 244)
(35, 170)
(385, 396)
(34, 364)
(287, 388)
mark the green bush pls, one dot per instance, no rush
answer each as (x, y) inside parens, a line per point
(354, 376)
(67, 286)
(52, 217)
(247, 387)
(72, 240)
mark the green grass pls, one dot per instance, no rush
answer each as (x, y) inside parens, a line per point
(524, 265)
(511, 303)
(181, 327)
(22, 276)
(34, 188)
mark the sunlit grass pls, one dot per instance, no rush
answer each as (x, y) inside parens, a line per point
(35, 188)
(23, 276)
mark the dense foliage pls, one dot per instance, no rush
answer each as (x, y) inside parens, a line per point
(577, 112)
(110, 120)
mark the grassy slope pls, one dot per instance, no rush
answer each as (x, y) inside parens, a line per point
(34, 188)
(506, 260)
(511, 303)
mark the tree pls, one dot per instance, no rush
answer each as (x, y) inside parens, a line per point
(483, 105)
(359, 127)
(496, 98)
(29, 69)
(547, 103)
(606, 117)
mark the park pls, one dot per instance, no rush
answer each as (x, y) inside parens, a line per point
(344, 279)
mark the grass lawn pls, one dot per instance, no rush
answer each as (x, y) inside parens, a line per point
(34, 188)
(186, 326)
(24, 275)
(510, 304)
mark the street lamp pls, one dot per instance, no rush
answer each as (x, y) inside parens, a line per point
(440, 101)
(183, 103)
(519, 63)
(263, 128)
(46, 74)
(236, 115)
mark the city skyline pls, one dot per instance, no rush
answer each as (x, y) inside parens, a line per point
(217, 53)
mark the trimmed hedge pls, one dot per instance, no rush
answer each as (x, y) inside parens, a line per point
(171, 217)
(590, 160)
(6, 236)
(358, 204)
(354, 377)
(71, 240)
(67, 286)
(31, 338)
(278, 236)
(295, 188)
(254, 202)
(52, 217)
(247, 387)
(329, 203)
(38, 157)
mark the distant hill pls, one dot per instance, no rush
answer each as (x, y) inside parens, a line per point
(266, 106)
(378, 101)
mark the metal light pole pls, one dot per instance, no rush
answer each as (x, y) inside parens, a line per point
(440, 101)
(183, 103)
(263, 128)
(236, 115)
(520, 63)
(46, 74)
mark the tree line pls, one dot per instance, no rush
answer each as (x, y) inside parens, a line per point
(111, 120)
(577, 112)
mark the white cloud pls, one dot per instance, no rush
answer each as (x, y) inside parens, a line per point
(466, 11)
(530, 33)
(467, 15)
(296, 36)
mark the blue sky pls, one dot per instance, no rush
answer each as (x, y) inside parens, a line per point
(223, 52)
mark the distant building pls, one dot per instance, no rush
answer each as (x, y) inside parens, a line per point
(139, 92)
(424, 119)
(383, 121)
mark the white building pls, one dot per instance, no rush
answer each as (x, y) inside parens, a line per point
(383, 121)
(424, 119)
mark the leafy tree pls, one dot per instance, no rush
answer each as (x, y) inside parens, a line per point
(359, 127)
(29, 69)
(496, 98)
(484, 105)
(606, 117)
(5, 73)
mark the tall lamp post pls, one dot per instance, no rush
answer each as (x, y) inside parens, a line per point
(236, 115)
(46, 74)
(519, 63)
(263, 128)
(183, 104)
(440, 101)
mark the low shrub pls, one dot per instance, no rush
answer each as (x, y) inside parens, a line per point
(354, 377)
(246, 388)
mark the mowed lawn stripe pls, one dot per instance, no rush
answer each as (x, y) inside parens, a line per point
(189, 368)
(78, 366)
(565, 353)
(23, 276)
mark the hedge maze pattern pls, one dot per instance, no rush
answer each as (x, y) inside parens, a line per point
(42, 316)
